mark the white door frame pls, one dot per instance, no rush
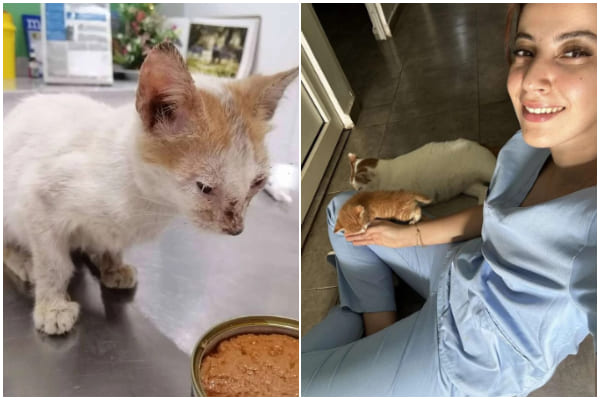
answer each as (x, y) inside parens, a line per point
(344, 117)
(317, 160)
(381, 28)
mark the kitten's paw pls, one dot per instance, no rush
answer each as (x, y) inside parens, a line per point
(55, 317)
(121, 277)
(414, 219)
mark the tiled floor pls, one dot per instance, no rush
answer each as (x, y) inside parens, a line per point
(440, 77)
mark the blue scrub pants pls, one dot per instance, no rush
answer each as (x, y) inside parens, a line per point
(401, 360)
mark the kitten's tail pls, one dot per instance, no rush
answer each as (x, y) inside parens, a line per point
(422, 198)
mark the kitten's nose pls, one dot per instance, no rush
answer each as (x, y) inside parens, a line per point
(234, 231)
(234, 222)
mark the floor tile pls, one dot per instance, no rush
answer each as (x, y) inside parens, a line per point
(449, 50)
(315, 305)
(492, 82)
(497, 123)
(432, 90)
(493, 13)
(408, 135)
(433, 17)
(373, 116)
(377, 93)
(490, 45)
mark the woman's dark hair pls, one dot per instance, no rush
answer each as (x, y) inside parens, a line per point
(512, 21)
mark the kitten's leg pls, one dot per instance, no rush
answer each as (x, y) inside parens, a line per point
(416, 216)
(478, 190)
(18, 260)
(53, 312)
(113, 273)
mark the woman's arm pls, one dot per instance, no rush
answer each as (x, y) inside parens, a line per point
(453, 228)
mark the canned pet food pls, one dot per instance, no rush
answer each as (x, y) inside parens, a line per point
(248, 356)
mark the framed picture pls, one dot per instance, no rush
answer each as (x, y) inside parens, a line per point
(222, 47)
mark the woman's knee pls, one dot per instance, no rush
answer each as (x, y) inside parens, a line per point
(334, 206)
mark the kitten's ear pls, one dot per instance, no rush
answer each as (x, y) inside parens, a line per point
(165, 91)
(359, 210)
(264, 92)
(272, 91)
(352, 158)
(338, 227)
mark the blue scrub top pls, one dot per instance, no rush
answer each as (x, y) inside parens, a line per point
(518, 300)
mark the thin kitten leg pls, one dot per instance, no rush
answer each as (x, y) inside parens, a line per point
(113, 273)
(53, 312)
(18, 260)
(478, 190)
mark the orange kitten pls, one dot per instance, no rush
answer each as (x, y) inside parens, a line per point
(364, 207)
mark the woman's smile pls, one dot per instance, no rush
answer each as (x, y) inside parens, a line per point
(535, 112)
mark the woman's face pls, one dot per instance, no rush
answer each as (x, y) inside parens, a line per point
(552, 82)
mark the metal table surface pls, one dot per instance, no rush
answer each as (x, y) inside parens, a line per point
(138, 343)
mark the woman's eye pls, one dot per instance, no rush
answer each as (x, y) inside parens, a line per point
(522, 53)
(576, 53)
(204, 188)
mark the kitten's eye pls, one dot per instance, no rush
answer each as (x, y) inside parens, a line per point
(204, 188)
(258, 182)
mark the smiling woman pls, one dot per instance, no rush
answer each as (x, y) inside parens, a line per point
(504, 308)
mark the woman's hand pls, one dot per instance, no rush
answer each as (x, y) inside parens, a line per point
(385, 233)
(463, 225)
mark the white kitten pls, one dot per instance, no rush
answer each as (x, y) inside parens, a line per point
(79, 174)
(439, 170)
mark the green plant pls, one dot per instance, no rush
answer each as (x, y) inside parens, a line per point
(139, 29)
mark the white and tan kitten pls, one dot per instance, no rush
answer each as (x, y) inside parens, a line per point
(79, 174)
(365, 207)
(439, 170)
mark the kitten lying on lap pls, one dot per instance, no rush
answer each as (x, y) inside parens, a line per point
(364, 207)
(439, 170)
(79, 174)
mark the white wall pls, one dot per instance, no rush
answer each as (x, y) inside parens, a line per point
(277, 50)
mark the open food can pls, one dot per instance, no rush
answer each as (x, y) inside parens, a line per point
(242, 336)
